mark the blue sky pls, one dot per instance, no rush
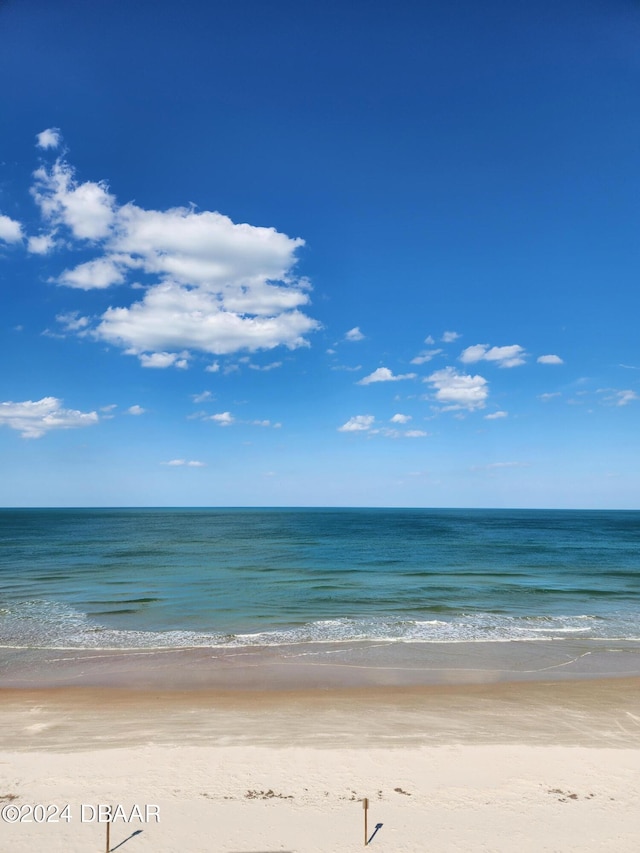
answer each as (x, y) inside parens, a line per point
(335, 254)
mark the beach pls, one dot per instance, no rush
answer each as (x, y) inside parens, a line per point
(530, 765)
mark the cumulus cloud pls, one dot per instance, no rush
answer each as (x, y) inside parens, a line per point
(383, 374)
(161, 360)
(211, 285)
(49, 138)
(550, 359)
(172, 316)
(354, 334)
(72, 321)
(93, 275)
(447, 337)
(88, 210)
(190, 463)
(459, 390)
(509, 356)
(201, 398)
(494, 416)
(350, 369)
(40, 245)
(549, 396)
(396, 433)
(223, 418)
(35, 418)
(358, 423)
(136, 410)
(10, 229)
(400, 419)
(425, 356)
(266, 367)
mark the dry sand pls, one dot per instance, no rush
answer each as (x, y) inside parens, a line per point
(488, 767)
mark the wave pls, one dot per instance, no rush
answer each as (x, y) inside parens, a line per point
(46, 624)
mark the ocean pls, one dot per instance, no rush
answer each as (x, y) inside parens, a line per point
(236, 578)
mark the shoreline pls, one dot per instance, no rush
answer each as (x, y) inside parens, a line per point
(320, 666)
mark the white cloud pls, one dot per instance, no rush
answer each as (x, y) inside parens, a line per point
(425, 356)
(346, 367)
(72, 321)
(618, 398)
(49, 138)
(459, 390)
(550, 359)
(494, 416)
(429, 340)
(94, 275)
(213, 368)
(164, 359)
(210, 284)
(10, 229)
(400, 419)
(34, 418)
(136, 410)
(272, 366)
(223, 418)
(396, 433)
(358, 423)
(509, 356)
(354, 334)
(41, 245)
(625, 397)
(88, 209)
(200, 398)
(175, 317)
(190, 463)
(383, 374)
(448, 337)
(549, 396)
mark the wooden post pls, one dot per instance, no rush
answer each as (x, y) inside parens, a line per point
(365, 806)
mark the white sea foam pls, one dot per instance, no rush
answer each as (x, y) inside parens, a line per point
(46, 624)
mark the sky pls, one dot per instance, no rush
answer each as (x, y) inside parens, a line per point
(337, 254)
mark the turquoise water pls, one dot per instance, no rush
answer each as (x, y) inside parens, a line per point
(129, 578)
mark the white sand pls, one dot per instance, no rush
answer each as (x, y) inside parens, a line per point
(467, 798)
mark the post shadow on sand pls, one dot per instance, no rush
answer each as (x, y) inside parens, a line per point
(137, 832)
(371, 837)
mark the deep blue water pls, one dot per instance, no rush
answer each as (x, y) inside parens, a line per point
(157, 577)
